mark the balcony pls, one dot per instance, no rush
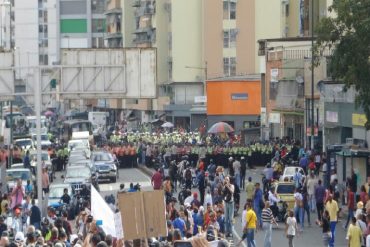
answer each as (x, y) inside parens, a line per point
(148, 30)
(113, 11)
(113, 36)
(136, 3)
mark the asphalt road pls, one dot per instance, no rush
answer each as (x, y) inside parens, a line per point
(310, 237)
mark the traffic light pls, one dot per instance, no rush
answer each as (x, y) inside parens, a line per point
(53, 83)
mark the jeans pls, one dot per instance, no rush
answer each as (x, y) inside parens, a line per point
(312, 202)
(237, 179)
(299, 214)
(332, 229)
(290, 238)
(258, 211)
(320, 209)
(229, 216)
(250, 237)
(349, 217)
(306, 209)
(242, 180)
(267, 227)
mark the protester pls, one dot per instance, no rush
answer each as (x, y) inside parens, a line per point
(332, 207)
(268, 219)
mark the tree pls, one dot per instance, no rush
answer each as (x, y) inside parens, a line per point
(348, 34)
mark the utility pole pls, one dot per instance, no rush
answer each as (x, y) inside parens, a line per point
(10, 159)
(38, 136)
(312, 79)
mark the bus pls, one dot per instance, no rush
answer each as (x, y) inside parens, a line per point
(79, 127)
(32, 125)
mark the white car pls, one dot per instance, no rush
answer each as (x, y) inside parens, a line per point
(45, 142)
(25, 143)
(290, 171)
(44, 157)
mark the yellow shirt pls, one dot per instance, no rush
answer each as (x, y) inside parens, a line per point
(354, 235)
(249, 188)
(333, 209)
(251, 219)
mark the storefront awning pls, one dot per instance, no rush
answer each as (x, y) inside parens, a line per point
(354, 153)
(287, 112)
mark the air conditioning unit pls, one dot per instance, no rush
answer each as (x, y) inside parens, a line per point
(285, 2)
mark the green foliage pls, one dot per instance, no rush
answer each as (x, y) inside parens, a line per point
(347, 34)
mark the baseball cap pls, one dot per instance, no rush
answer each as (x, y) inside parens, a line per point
(19, 237)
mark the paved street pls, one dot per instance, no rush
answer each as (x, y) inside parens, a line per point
(311, 237)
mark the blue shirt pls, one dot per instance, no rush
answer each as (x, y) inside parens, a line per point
(179, 223)
(257, 197)
(303, 162)
(297, 179)
(221, 223)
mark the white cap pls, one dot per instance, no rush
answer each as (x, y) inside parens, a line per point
(231, 158)
(19, 237)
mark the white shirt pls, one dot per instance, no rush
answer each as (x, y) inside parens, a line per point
(273, 198)
(188, 199)
(311, 182)
(236, 166)
(368, 241)
(208, 199)
(297, 196)
(292, 223)
(244, 217)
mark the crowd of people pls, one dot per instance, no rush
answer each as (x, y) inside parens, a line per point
(211, 179)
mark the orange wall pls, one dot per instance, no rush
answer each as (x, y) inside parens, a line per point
(219, 100)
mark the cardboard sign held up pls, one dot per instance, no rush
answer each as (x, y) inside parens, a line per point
(143, 214)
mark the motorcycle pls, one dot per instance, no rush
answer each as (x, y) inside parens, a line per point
(281, 214)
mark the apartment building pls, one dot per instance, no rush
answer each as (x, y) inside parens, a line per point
(6, 25)
(81, 23)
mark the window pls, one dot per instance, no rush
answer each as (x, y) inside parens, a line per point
(98, 25)
(230, 38)
(232, 10)
(226, 39)
(98, 6)
(226, 66)
(229, 66)
(229, 8)
(43, 59)
(232, 66)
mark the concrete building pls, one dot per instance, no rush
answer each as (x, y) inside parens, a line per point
(81, 23)
(35, 34)
(6, 25)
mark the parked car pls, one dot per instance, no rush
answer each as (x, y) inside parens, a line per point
(105, 166)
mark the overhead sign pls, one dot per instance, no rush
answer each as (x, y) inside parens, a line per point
(359, 119)
(143, 214)
(274, 117)
(108, 73)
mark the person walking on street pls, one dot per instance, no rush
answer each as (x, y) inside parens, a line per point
(201, 186)
(350, 206)
(157, 180)
(319, 198)
(45, 181)
(298, 207)
(291, 227)
(249, 188)
(243, 170)
(325, 224)
(332, 207)
(267, 220)
(258, 203)
(228, 195)
(250, 227)
(17, 194)
(311, 183)
(354, 234)
(237, 168)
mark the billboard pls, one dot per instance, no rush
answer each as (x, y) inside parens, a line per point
(108, 73)
(234, 97)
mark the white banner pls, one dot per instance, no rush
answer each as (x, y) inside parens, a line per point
(102, 212)
(332, 116)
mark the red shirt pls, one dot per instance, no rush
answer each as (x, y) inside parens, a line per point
(351, 200)
(157, 180)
